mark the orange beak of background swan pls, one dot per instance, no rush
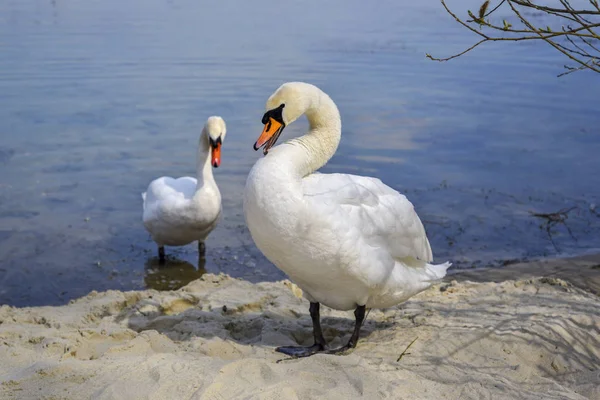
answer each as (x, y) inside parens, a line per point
(269, 135)
(215, 152)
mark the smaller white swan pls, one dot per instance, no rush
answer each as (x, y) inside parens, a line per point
(183, 210)
(350, 242)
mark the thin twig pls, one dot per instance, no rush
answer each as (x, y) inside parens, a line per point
(582, 21)
(406, 349)
(583, 52)
(590, 44)
(550, 9)
(558, 216)
(552, 219)
(570, 70)
(456, 55)
(574, 13)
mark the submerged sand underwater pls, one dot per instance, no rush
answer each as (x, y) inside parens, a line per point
(527, 331)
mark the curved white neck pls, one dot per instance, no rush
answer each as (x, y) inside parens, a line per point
(204, 172)
(321, 141)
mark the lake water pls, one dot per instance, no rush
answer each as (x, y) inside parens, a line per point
(98, 97)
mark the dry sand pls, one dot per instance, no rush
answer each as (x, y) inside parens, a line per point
(522, 332)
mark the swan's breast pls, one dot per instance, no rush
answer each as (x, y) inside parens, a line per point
(176, 214)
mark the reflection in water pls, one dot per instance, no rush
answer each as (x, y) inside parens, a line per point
(173, 274)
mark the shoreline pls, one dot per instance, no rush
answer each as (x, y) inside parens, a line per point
(528, 330)
(578, 270)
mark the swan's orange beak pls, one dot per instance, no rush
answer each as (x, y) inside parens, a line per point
(216, 154)
(269, 135)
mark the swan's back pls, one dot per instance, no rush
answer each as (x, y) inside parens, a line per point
(378, 215)
(174, 215)
(169, 189)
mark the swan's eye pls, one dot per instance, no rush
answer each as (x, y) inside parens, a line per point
(276, 114)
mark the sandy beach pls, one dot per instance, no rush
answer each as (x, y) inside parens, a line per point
(526, 331)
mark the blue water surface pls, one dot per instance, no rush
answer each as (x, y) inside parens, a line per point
(98, 97)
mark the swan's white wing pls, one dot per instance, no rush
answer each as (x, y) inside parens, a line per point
(168, 188)
(370, 213)
(166, 192)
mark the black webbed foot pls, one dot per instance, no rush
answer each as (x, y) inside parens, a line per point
(301, 351)
(341, 350)
(319, 346)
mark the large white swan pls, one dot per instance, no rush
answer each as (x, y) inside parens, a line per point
(349, 242)
(180, 211)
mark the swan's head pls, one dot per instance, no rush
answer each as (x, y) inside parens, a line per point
(285, 105)
(215, 130)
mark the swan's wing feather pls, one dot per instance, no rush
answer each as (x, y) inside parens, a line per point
(366, 207)
(167, 187)
(166, 192)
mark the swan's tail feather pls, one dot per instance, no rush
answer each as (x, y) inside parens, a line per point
(427, 272)
(437, 271)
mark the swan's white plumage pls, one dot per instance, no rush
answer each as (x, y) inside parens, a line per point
(179, 211)
(346, 240)
(386, 218)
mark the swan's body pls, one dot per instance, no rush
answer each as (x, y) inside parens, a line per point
(183, 210)
(348, 241)
(176, 213)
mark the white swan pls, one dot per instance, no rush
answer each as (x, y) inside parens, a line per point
(180, 211)
(349, 242)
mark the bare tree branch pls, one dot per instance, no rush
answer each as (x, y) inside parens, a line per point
(527, 3)
(579, 41)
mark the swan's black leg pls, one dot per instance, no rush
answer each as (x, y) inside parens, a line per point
(359, 313)
(161, 254)
(201, 255)
(319, 346)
